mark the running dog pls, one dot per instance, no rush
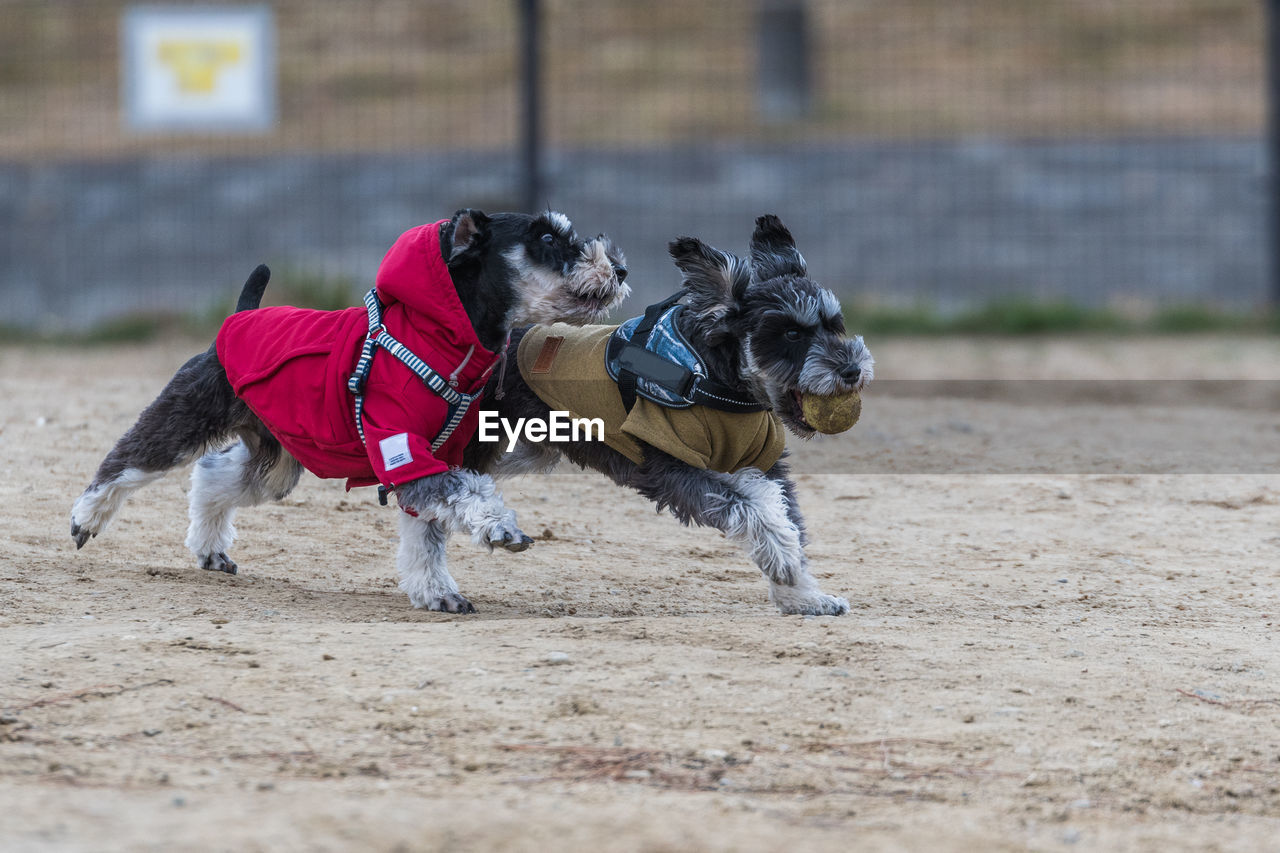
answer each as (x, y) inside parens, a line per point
(286, 388)
(755, 336)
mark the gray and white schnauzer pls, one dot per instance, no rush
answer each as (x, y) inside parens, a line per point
(505, 268)
(768, 334)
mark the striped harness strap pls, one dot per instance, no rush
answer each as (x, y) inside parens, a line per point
(446, 388)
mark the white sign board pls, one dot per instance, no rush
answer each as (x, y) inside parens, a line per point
(201, 68)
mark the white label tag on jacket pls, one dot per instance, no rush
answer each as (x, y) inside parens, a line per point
(395, 451)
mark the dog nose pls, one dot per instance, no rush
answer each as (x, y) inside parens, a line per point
(850, 373)
(621, 272)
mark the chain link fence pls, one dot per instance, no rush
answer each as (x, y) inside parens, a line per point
(923, 153)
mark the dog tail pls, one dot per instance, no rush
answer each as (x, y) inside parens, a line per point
(251, 295)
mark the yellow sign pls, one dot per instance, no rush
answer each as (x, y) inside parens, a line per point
(198, 68)
(197, 62)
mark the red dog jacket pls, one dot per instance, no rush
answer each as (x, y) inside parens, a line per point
(291, 366)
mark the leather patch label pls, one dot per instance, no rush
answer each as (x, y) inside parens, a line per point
(547, 355)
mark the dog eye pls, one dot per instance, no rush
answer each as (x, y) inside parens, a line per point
(548, 238)
(792, 335)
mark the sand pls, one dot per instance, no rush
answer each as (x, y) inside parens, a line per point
(1055, 646)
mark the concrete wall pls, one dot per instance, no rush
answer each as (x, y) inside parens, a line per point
(1167, 221)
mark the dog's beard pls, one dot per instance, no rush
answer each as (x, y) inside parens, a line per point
(822, 365)
(783, 387)
(587, 295)
(594, 287)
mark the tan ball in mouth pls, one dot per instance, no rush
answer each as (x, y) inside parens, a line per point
(831, 413)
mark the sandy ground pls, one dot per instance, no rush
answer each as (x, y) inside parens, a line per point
(1072, 651)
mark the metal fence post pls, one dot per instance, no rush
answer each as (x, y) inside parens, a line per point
(1273, 151)
(531, 104)
(784, 74)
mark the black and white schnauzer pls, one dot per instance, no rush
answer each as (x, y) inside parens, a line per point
(506, 268)
(770, 334)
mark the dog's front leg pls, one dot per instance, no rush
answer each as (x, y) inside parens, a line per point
(464, 501)
(424, 574)
(753, 509)
(435, 506)
(804, 596)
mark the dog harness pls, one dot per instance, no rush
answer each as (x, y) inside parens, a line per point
(446, 388)
(650, 357)
(380, 338)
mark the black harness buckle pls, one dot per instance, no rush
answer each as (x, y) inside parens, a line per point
(627, 372)
(638, 361)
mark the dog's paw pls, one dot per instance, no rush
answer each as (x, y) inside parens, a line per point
(828, 605)
(89, 515)
(795, 602)
(502, 532)
(218, 562)
(81, 534)
(515, 544)
(820, 605)
(450, 602)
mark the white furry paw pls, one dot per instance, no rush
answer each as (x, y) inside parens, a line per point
(81, 533)
(449, 602)
(86, 518)
(94, 509)
(500, 531)
(513, 543)
(218, 562)
(803, 602)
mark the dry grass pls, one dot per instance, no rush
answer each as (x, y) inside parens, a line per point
(398, 75)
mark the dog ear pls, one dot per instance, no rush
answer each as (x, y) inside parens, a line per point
(466, 232)
(715, 280)
(773, 250)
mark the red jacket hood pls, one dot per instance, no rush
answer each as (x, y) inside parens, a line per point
(414, 273)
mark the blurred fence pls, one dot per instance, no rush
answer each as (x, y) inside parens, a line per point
(1097, 152)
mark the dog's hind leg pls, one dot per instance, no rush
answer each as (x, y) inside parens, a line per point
(195, 410)
(424, 573)
(755, 510)
(254, 470)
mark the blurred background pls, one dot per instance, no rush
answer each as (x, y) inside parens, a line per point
(1050, 161)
